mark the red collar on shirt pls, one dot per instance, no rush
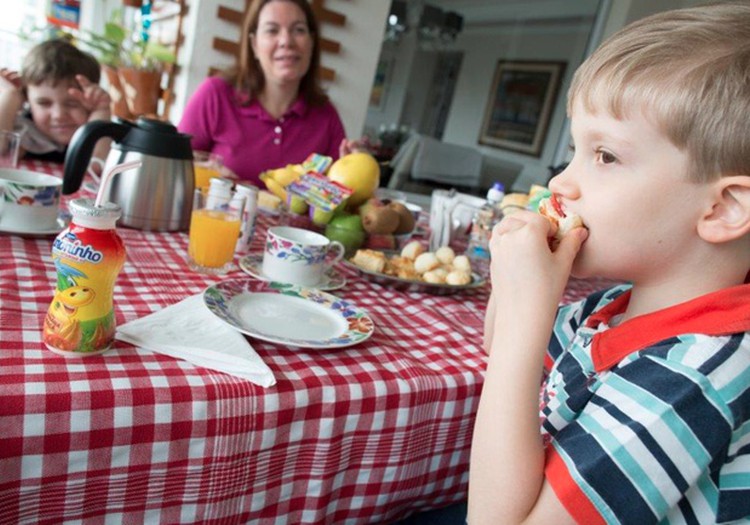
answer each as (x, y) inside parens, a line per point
(724, 312)
(299, 108)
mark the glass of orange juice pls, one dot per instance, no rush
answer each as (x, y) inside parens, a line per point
(214, 230)
(206, 166)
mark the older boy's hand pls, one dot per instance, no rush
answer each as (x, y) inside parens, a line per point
(524, 266)
(92, 97)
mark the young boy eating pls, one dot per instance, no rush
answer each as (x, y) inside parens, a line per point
(56, 93)
(645, 388)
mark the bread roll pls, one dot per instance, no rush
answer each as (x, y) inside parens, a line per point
(565, 221)
(370, 260)
(445, 254)
(426, 262)
(462, 263)
(436, 276)
(412, 250)
(458, 277)
(513, 202)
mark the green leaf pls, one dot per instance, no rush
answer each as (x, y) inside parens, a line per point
(115, 33)
(160, 53)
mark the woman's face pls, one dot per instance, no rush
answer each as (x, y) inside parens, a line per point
(282, 43)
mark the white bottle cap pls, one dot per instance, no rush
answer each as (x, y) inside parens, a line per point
(219, 193)
(496, 193)
(220, 187)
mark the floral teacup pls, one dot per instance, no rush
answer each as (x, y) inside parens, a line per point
(29, 201)
(298, 256)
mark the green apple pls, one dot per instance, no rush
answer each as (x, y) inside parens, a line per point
(347, 229)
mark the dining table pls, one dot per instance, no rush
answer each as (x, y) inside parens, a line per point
(369, 433)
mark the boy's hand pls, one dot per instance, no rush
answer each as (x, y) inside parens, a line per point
(92, 97)
(11, 89)
(11, 98)
(9, 80)
(524, 268)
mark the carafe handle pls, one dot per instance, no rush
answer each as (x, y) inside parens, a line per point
(82, 146)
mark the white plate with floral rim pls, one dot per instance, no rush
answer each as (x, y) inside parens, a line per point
(287, 314)
(252, 264)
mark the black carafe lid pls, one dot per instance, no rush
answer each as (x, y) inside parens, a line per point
(157, 138)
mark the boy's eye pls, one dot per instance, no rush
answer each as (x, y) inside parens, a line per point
(605, 157)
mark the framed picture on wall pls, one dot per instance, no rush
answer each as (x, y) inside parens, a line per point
(520, 103)
(380, 83)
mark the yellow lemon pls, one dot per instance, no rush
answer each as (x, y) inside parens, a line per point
(359, 172)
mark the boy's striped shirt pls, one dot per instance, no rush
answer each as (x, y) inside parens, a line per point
(649, 421)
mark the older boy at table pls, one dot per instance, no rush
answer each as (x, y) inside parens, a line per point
(56, 92)
(645, 402)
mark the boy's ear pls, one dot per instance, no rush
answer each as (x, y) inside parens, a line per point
(729, 217)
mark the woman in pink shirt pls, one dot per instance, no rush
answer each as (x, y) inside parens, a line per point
(269, 109)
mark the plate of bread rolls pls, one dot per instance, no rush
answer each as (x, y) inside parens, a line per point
(415, 269)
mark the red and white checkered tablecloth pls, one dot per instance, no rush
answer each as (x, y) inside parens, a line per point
(367, 434)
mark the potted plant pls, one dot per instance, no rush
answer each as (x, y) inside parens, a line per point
(133, 64)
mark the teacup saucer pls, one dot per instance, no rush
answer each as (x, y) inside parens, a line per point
(252, 264)
(59, 226)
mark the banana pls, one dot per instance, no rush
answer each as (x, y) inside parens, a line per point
(275, 188)
(285, 176)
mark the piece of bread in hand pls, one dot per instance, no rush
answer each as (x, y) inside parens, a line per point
(565, 221)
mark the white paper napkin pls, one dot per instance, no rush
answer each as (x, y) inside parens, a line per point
(188, 330)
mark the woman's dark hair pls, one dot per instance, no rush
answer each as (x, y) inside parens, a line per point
(247, 75)
(58, 60)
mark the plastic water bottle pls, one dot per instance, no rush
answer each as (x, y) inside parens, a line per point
(249, 212)
(481, 228)
(494, 196)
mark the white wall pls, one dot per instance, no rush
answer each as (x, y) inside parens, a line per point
(482, 52)
(401, 56)
(355, 65)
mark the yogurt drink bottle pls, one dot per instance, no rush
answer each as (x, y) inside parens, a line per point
(88, 256)
(249, 212)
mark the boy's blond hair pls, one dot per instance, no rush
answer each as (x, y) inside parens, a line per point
(56, 61)
(689, 71)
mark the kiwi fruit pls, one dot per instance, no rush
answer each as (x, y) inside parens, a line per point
(368, 205)
(405, 218)
(380, 220)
